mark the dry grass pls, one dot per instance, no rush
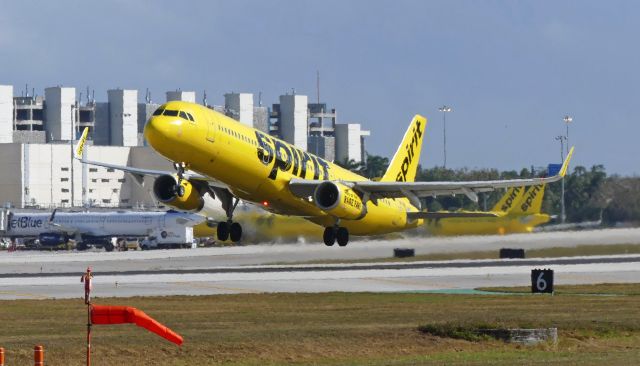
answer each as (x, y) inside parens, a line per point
(330, 328)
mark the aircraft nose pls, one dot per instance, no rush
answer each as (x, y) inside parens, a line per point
(158, 130)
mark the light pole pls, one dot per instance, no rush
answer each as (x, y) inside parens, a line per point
(567, 119)
(444, 109)
(562, 139)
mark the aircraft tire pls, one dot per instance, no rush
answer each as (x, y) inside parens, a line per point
(235, 232)
(222, 231)
(180, 190)
(108, 247)
(81, 246)
(342, 236)
(329, 236)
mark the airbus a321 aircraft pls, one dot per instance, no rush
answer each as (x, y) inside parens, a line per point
(516, 212)
(216, 156)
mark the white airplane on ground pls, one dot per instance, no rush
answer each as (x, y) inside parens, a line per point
(96, 228)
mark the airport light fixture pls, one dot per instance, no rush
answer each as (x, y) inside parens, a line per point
(567, 119)
(444, 109)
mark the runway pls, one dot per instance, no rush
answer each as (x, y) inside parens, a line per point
(37, 275)
(251, 269)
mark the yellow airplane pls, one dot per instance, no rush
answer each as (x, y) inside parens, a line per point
(518, 211)
(218, 157)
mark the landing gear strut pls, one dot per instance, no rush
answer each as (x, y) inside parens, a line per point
(336, 233)
(228, 229)
(179, 189)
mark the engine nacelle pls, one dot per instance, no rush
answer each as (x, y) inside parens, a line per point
(339, 200)
(52, 239)
(166, 190)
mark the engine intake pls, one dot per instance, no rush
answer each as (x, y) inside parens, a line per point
(183, 197)
(339, 200)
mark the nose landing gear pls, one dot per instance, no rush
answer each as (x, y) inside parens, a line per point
(179, 188)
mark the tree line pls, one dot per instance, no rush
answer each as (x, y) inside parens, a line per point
(590, 194)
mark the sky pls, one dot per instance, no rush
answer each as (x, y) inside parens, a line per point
(510, 70)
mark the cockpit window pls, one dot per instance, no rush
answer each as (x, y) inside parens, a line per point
(190, 117)
(158, 112)
(170, 113)
(183, 115)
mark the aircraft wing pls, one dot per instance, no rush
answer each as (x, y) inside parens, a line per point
(445, 215)
(415, 190)
(138, 173)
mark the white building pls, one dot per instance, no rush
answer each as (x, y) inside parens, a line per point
(184, 96)
(350, 142)
(293, 120)
(123, 117)
(59, 111)
(239, 106)
(6, 113)
(40, 175)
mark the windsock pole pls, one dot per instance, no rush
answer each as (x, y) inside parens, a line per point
(88, 334)
(86, 278)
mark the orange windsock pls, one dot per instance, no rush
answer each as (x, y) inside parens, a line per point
(105, 314)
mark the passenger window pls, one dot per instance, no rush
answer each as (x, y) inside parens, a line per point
(158, 112)
(183, 115)
(170, 113)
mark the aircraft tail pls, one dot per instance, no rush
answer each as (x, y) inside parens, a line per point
(510, 200)
(79, 149)
(404, 164)
(531, 202)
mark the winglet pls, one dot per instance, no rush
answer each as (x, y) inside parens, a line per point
(53, 215)
(565, 164)
(79, 150)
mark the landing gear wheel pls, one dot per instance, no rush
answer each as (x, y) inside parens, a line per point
(180, 190)
(329, 236)
(235, 232)
(342, 235)
(81, 246)
(223, 231)
(108, 247)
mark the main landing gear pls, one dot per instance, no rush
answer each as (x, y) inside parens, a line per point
(228, 229)
(336, 233)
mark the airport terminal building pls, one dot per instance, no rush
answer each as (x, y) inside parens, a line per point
(37, 135)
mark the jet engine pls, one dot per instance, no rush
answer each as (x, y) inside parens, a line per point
(339, 200)
(184, 196)
(52, 239)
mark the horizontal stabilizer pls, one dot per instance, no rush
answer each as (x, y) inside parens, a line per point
(446, 214)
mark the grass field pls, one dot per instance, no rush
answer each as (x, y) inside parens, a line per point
(333, 329)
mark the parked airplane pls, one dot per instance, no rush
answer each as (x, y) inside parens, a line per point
(518, 211)
(215, 156)
(96, 228)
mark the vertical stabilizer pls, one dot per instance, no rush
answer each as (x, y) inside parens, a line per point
(404, 164)
(510, 200)
(531, 202)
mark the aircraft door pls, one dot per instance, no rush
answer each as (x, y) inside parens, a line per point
(211, 147)
(211, 129)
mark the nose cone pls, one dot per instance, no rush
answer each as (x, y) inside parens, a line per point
(155, 130)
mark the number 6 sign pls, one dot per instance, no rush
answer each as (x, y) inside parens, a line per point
(541, 281)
